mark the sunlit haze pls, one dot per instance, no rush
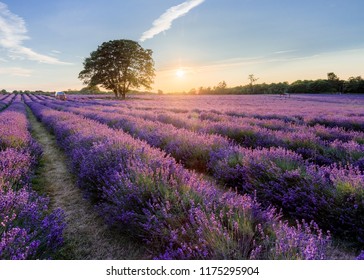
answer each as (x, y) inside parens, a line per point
(180, 73)
(195, 43)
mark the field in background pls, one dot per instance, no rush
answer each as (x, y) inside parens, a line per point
(257, 104)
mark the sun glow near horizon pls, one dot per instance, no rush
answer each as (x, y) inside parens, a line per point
(180, 73)
(270, 69)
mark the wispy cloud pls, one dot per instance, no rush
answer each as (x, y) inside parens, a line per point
(285, 51)
(12, 34)
(16, 71)
(164, 22)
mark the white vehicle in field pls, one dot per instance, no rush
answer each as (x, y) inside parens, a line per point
(60, 95)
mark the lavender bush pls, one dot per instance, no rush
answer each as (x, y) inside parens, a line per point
(28, 229)
(331, 196)
(361, 256)
(5, 101)
(15, 168)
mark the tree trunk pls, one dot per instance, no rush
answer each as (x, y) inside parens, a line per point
(123, 96)
(116, 94)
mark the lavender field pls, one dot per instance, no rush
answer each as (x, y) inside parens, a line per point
(193, 177)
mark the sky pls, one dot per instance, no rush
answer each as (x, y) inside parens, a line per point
(195, 42)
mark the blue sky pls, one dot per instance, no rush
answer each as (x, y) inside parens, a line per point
(43, 43)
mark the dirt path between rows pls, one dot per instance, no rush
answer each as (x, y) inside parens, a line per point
(86, 235)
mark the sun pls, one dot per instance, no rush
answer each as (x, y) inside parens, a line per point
(180, 73)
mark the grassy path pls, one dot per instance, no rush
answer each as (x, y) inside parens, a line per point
(86, 235)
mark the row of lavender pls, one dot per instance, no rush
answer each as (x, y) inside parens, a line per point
(249, 131)
(329, 110)
(180, 215)
(28, 229)
(333, 196)
(319, 144)
(192, 119)
(6, 101)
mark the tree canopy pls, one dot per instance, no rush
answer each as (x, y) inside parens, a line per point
(119, 65)
(90, 90)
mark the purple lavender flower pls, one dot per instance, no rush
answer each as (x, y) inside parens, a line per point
(361, 256)
(28, 229)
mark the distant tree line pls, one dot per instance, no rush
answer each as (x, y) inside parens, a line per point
(4, 91)
(330, 85)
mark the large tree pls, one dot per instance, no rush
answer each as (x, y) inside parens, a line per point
(119, 65)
